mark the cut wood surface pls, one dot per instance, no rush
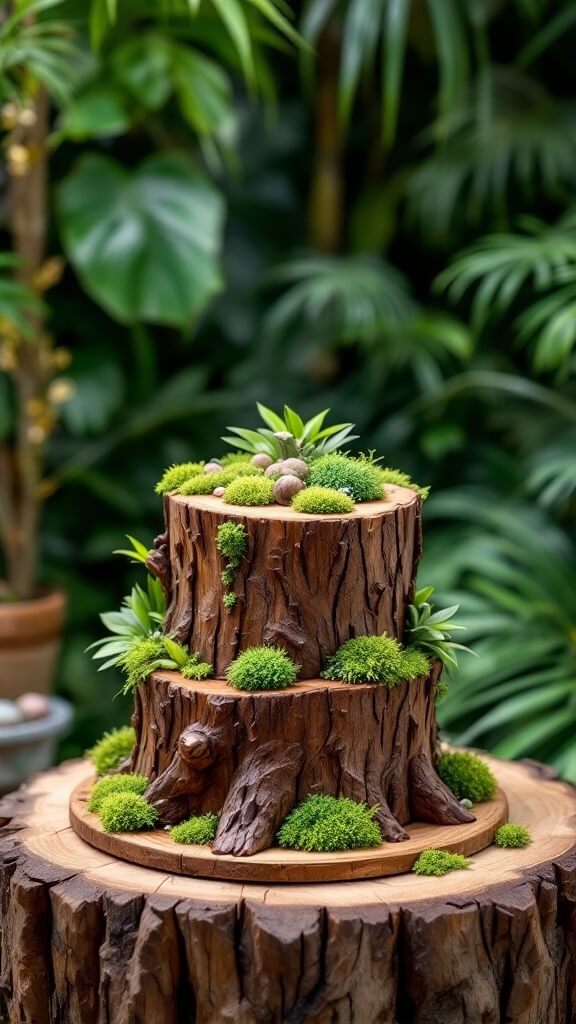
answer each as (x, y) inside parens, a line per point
(156, 849)
(89, 939)
(250, 757)
(308, 583)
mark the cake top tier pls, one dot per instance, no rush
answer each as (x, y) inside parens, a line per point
(394, 497)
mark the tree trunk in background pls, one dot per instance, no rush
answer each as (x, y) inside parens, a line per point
(326, 209)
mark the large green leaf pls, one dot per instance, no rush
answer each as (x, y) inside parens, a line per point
(145, 243)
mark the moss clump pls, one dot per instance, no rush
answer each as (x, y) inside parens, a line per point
(359, 478)
(114, 747)
(127, 812)
(196, 669)
(467, 776)
(175, 476)
(262, 668)
(439, 862)
(322, 501)
(141, 658)
(330, 823)
(231, 541)
(115, 784)
(199, 830)
(396, 476)
(230, 600)
(205, 483)
(249, 491)
(375, 659)
(513, 836)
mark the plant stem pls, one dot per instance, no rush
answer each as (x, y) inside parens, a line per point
(27, 201)
(326, 217)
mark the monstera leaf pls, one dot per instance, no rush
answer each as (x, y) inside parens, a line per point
(145, 242)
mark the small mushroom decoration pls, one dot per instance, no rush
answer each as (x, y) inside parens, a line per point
(285, 488)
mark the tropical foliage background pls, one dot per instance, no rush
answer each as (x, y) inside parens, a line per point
(376, 214)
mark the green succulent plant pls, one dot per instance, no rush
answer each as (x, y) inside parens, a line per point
(127, 812)
(322, 501)
(467, 776)
(431, 630)
(140, 616)
(198, 830)
(439, 862)
(512, 836)
(323, 823)
(115, 784)
(375, 659)
(262, 668)
(113, 748)
(290, 436)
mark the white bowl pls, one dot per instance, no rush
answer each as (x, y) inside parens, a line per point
(29, 746)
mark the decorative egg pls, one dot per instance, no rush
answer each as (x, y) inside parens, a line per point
(285, 488)
(33, 705)
(10, 713)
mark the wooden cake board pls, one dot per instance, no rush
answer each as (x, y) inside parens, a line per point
(89, 938)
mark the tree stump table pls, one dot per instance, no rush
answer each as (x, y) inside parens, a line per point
(90, 939)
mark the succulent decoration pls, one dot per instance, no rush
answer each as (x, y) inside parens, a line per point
(432, 631)
(289, 461)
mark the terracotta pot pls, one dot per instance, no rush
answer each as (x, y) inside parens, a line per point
(30, 633)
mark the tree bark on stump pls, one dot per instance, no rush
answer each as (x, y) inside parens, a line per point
(88, 939)
(251, 757)
(307, 583)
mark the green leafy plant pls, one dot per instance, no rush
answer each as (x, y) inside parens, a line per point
(249, 490)
(323, 823)
(467, 776)
(262, 668)
(322, 501)
(113, 748)
(111, 784)
(358, 478)
(439, 862)
(127, 812)
(152, 653)
(431, 631)
(140, 617)
(198, 830)
(173, 477)
(137, 553)
(512, 836)
(288, 435)
(375, 659)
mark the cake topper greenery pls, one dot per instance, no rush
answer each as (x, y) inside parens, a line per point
(289, 461)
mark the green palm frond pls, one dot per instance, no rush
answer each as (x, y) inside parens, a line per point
(432, 630)
(38, 46)
(513, 571)
(551, 471)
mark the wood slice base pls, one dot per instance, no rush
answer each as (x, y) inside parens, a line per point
(156, 849)
(90, 939)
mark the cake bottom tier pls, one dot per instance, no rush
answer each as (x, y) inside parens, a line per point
(250, 757)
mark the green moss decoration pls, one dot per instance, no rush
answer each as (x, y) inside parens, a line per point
(230, 600)
(115, 784)
(127, 812)
(231, 541)
(322, 501)
(249, 491)
(512, 836)
(114, 747)
(400, 479)
(262, 668)
(359, 478)
(375, 659)
(439, 862)
(141, 658)
(205, 483)
(198, 830)
(323, 823)
(467, 776)
(196, 669)
(173, 477)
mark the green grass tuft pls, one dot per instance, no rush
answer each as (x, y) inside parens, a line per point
(330, 823)
(114, 747)
(439, 862)
(396, 476)
(322, 501)
(198, 830)
(375, 659)
(115, 784)
(262, 668)
(175, 476)
(512, 836)
(249, 491)
(127, 812)
(359, 478)
(467, 776)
